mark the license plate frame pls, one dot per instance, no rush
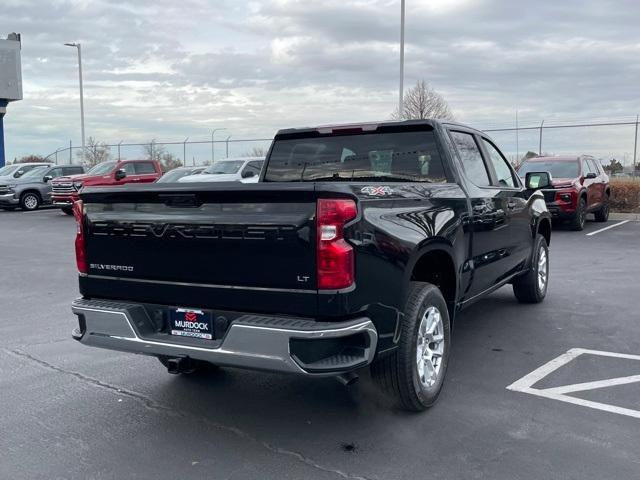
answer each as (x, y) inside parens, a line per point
(191, 323)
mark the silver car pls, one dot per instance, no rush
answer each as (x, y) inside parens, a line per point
(16, 170)
(33, 188)
(244, 169)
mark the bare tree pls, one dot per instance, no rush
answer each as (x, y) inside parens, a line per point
(256, 152)
(156, 152)
(421, 101)
(29, 159)
(95, 152)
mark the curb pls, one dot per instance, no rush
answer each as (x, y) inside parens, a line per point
(624, 216)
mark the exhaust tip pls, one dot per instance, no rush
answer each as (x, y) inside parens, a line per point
(348, 379)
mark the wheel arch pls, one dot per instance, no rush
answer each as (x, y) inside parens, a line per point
(434, 263)
(544, 229)
(31, 190)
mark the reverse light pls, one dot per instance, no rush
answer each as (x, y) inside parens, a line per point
(335, 257)
(81, 253)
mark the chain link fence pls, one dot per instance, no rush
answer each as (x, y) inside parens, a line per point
(604, 139)
(187, 152)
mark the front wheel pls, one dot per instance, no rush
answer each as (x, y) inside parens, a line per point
(532, 286)
(29, 201)
(602, 215)
(414, 373)
(580, 217)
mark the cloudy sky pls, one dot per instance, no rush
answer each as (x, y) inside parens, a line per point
(174, 69)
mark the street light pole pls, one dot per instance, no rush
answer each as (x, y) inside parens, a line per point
(213, 132)
(401, 93)
(79, 48)
(227, 140)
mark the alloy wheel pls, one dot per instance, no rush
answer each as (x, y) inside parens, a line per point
(430, 347)
(543, 269)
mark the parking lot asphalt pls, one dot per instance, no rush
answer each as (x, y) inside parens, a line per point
(68, 411)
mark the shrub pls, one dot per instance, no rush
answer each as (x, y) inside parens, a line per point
(625, 195)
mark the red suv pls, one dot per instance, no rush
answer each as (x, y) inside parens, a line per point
(580, 186)
(65, 189)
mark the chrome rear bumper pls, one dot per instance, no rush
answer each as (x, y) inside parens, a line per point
(270, 343)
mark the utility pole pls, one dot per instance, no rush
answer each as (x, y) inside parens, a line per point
(227, 140)
(517, 139)
(401, 93)
(184, 152)
(540, 141)
(635, 147)
(79, 48)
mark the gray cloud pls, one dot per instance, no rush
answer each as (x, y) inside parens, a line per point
(176, 69)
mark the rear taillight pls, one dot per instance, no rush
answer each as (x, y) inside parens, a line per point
(335, 255)
(81, 255)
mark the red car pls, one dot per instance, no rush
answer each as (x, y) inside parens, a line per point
(65, 189)
(580, 186)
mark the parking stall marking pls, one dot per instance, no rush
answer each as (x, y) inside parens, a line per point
(607, 228)
(525, 384)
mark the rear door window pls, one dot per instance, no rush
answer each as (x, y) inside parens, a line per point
(472, 161)
(144, 168)
(72, 170)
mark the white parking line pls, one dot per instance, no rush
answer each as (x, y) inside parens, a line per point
(525, 384)
(607, 228)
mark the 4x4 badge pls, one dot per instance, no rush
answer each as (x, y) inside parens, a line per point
(377, 191)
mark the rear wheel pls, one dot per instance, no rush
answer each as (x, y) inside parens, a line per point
(67, 210)
(602, 215)
(29, 201)
(414, 373)
(532, 286)
(577, 222)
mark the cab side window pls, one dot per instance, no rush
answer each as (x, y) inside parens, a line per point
(129, 168)
(500, 165)
(55, 172)
(472, 161)
(144, 168)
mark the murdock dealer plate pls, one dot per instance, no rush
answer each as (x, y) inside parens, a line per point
(186, 322)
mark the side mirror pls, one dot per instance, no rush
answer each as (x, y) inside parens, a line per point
(537, 180)
(47, 178)
(248, 174)
(120, 174)
(18, 174)
(590, 175)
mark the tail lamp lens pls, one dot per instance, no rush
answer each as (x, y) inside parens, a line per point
(81, 254)
(335, 256)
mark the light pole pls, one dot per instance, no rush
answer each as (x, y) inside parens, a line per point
(227, 140)
(401, 95)
(79, 47)
(213, 132)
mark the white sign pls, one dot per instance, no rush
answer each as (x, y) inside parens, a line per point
(10, 70)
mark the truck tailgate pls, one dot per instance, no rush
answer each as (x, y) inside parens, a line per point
(229, 238)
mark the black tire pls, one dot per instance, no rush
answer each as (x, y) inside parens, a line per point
(580, 217)
(398, 373)
(527, 288)
(602, 215)
(195, 366)
(67, 210)
(8, 209)
(30, 201)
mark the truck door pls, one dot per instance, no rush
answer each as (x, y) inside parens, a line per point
(591, 184)
(493, 248)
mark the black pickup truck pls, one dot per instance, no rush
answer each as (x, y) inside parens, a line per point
(357, 248)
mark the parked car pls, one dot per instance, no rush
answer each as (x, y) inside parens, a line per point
(358, 247)
(177, 173)
(245, 170)
(65, 189)
(33, 188)
(579, 186)
(16, 170)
